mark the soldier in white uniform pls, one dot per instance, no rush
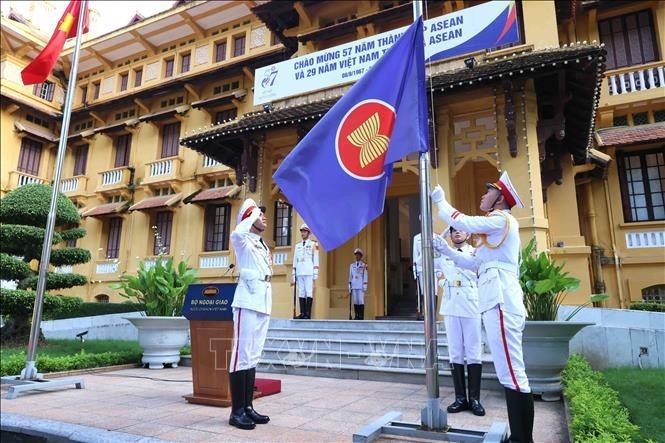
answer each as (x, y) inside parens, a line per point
(496, 262)
(358, 284)
(418, 269)
(252, 303)
(459, 306)
(305, 270)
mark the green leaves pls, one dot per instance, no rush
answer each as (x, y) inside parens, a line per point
(161, 287)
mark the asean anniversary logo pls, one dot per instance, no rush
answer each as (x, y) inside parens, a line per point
(362, 139)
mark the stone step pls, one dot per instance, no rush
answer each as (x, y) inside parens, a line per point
(404, 347)
(378, 325)
(362, 372)
(350, 334)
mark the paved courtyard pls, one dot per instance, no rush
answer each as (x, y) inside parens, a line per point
(149, 403)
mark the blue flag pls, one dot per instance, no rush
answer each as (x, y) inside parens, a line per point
(337, 176)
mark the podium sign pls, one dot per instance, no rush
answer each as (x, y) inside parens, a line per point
(208, 308)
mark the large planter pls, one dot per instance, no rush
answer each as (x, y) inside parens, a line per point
(545, 348)
(161, 339)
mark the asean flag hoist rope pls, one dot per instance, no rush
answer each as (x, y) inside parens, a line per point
(337, 176)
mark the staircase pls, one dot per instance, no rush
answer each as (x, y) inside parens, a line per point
(381, 350)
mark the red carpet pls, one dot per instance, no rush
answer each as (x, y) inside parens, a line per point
(266, 386)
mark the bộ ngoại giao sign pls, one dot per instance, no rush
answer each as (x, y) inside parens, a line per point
(487, 25)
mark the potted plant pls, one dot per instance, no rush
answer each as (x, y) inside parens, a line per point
(161, 287)
(545, 340)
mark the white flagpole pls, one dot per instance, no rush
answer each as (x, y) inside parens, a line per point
(431, 416)
(30, 370)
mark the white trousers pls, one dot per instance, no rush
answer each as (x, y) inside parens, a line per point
(305, 285)
(250, 329)
(504, 335)
(358, 296)
(464, 337)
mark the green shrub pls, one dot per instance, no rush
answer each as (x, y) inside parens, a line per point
(19, 304)
(55, 281)
(13, 364)
(72, 234)
(12, 268)
(653, 307)
(30, 205)
(22, 239)
(69, 256)
(596, 412)
(86, 309)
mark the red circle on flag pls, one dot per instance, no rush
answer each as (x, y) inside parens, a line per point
(362, 139)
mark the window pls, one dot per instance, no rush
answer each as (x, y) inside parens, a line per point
(138, 77)
(220, 51)
(227, 114)
(113, 242)
(170, 139)
(642, 185)
(239, 45)
(163, 224)
(282, 224)
(123, 146)
(654, 294)
(31, 154)
(168, 68)
(84, 94)
(629, 39)
(80, 159)
(102, 298)
(44, 90)
(184, 62)
(95, 91)
(124, 79)
(217, 227)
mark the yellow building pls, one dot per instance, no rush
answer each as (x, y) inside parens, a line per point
(161, 101)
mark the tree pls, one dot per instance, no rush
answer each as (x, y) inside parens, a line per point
(23, 216)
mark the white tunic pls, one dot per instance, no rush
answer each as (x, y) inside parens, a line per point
(255, 263)
(306, 259)
(460, 291)
(358, 275)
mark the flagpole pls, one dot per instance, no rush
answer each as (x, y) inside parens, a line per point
(432, 417)
(30, 371)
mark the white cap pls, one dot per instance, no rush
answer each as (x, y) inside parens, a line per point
(505, 186)
(246, 209)
(358, 251)
(304, 227)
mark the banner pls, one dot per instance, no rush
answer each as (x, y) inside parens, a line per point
(487, 25)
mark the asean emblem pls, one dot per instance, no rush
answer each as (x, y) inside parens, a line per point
(363, 137)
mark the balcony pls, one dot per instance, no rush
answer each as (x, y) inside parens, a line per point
(162, 170)
(104, 267)
(18, 179)
(75, 186)
(641, 82)
(114, 179)
(214, 260)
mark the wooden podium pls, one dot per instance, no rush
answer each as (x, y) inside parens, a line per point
(208, 308)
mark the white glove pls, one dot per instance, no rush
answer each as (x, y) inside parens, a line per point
(438, 195)
(438, 242)
(446, 232)
(315, 276)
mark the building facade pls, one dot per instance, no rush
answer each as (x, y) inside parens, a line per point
(165, 139)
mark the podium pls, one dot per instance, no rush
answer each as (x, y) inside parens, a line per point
(208, 309)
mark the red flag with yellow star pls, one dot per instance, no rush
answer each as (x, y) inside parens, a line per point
(40, 68)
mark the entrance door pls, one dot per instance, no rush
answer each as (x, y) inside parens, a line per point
(401, 217)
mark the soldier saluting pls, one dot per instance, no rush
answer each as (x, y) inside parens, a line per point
(305, 270)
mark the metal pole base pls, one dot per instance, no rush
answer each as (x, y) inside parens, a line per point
(387, 426)
(432, 417)
(18, 385)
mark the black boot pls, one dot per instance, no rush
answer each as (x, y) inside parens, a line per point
(303, 308)
(474, 372)
(249, 398)
(520, 416)
(361, 310)
(460, 404)
(356, 313)
(308, 308)
(239, 417)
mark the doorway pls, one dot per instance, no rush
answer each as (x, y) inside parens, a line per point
(401, 218)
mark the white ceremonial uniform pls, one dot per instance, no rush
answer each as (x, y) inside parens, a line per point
(358, 281)
(418, 261)
(500, 295)
(305, 266)
(459, 306)
(252, 300)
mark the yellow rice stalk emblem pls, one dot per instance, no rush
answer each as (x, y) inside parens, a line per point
(366, 136)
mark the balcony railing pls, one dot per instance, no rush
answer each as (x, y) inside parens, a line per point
(213, 261)
(107, 267)
(26, 179)
(209, 162)
(114, 178)
(279, 258)
(64, 269)
(636, 78)
(162, 170)
(69, 185)
(653, 239)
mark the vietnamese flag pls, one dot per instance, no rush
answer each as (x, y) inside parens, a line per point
(40, 68)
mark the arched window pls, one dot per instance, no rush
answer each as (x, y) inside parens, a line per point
(654, 294)
(102, 298)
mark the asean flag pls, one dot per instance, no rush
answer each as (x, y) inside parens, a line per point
(337, 176)
(40, 68)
